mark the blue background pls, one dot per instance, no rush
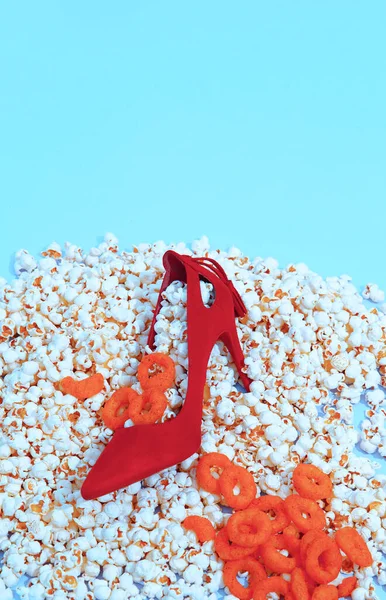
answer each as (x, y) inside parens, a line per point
(259, 124)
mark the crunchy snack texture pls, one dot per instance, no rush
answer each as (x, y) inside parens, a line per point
(313, 350)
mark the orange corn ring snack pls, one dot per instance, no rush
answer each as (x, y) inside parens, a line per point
(311, 585)
(298, 585)
(307, 540)
(292, 531)
(249, 527)
(291, 536)
(116, 410)
(156, 370)
(237, 477)
(310, 482)
(347, 586)
(275, 504)
(324, 560)
(325, 592)
(227, 550)
(296, 506)
(213, 461)
(83, 388)
(354, 546)
(273, 559)
(272, 584)
(201, 526)
(148, 407)
(252, 567)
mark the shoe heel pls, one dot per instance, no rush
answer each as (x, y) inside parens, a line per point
(232, 342)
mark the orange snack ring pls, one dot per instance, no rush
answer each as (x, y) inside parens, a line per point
(227, 550)
(347, 586)
(325, 592)
(204, 476)
(293, 531)
(311, 585)
(296, 506)
(323, 571)
(242, 565)
(201, 526)
(298, 584)
(354, 546)
(275, 504)
(275, 561)
(272, 584)
(237, 476)
(83, 388)
(259, 525)
(111, 415)
(291, 536)
(307, 540)
(161, 380)
(157, 401)
(310, 482)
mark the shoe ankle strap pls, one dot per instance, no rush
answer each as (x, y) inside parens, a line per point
(217, 269)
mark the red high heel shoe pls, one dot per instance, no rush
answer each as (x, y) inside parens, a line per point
(134, 453)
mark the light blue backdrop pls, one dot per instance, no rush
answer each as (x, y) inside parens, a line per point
(260, 124)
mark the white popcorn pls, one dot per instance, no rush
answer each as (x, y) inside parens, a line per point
(24, 262)
(134, 553)
(101, 591)
(192, 498)
(312, 349)
(273, 481)
(146, 570)
(193, 574)
(373, 293)
(118, 594)
(359, 594)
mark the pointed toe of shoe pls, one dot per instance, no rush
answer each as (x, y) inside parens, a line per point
(89, 489)
(107, 475)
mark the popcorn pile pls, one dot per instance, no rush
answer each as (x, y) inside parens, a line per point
(312, 350)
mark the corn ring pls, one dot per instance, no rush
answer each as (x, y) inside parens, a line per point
(242, 565)
(298, 584)
(291, 536)
(249, 527)
(164, 372)
(240, 477)
(325, 592)
(213, 461)
(307, 540)
(292, 531)
(201, 526)
(310, 482)
(273, 559)
(296, 506)
(324, 560)
(272, 584)
(275, 504)
(347, 586)
(354, 546)
(83, 388)
(115, 411)
(227, 550)
(148, 407)
(310, 583)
